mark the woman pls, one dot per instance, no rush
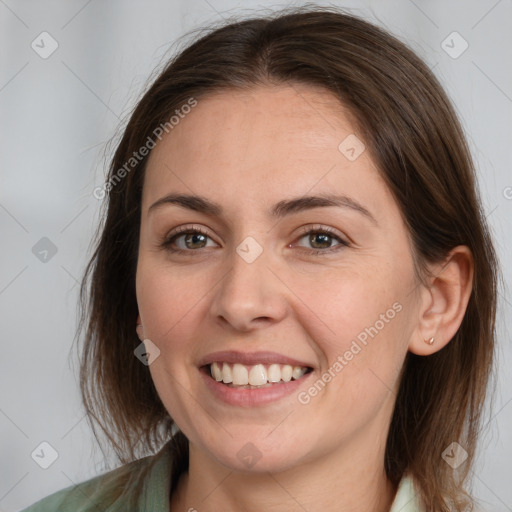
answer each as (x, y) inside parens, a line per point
(293, 294)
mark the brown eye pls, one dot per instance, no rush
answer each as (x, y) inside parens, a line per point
(186, 240)
(321, 241)
(194, 240)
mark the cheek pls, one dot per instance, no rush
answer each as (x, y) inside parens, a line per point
(168, 300)
(360, 325)
(351, 304)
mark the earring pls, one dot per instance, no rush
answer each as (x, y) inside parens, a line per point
(139, 333)
(430, 341)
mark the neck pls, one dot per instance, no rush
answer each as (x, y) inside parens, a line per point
(357, 483)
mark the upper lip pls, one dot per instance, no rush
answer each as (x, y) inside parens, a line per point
(250, 358)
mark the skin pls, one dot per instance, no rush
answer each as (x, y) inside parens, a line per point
(247, 150)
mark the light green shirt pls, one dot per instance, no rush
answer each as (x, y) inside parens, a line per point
(89, 496)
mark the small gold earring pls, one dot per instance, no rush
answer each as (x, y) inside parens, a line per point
(430, 341)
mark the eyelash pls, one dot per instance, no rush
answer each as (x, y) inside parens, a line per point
(306, 230)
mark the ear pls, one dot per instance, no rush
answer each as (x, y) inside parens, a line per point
(443, 303)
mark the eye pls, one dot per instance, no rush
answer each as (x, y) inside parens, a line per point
(187, 239)
(191, 239)
(321, 239)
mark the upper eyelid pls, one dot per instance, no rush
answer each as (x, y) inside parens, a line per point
(304, 229)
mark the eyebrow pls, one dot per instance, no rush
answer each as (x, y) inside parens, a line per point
(279, 210)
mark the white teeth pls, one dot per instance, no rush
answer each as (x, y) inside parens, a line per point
(256, 375)
(274, 373)
(216, 373)
(298, 372)
(227, 376)
(286, 373)
(240, 375)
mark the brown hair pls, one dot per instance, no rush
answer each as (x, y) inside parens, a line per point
(415, 139)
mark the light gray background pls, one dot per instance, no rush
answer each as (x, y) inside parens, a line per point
(57, 114)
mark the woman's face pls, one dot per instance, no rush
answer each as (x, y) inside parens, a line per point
(265, 287)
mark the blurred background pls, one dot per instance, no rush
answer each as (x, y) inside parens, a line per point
(70, 72)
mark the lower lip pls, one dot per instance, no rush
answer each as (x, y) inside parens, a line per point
(253, 397)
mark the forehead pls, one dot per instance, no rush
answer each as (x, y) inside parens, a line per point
(260, 145)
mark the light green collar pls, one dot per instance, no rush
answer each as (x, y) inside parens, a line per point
(406, 499)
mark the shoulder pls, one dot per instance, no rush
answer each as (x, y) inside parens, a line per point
(116, 490)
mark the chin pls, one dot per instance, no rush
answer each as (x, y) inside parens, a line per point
(257, 455)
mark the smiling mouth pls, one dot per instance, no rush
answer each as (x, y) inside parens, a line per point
(254, 376)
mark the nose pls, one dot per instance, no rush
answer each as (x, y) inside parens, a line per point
(250, 295)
